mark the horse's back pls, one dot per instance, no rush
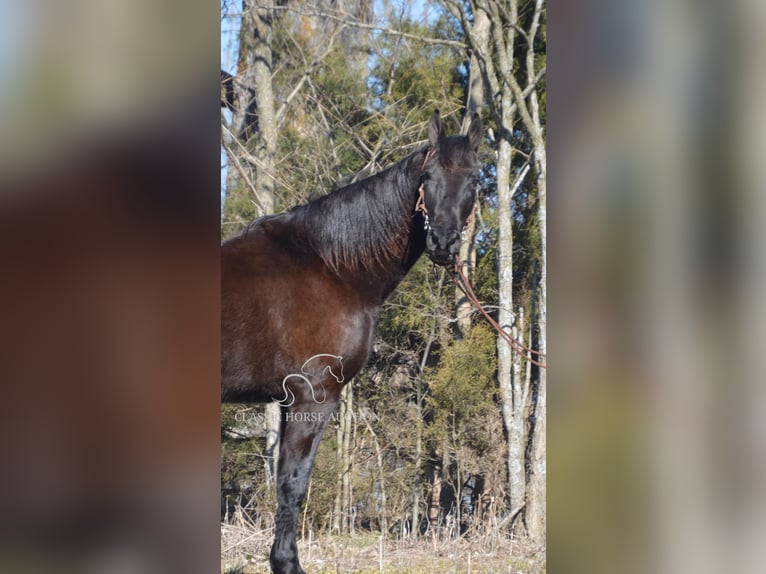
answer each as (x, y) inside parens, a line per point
(280, 306)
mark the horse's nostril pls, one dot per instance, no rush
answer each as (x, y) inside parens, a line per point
(452, 241)
(442, 240)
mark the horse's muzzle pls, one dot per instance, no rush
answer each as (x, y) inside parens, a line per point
(442, 245)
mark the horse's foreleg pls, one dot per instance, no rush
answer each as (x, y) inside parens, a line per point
(302, 427)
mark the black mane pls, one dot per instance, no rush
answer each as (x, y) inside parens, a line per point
(364, 225)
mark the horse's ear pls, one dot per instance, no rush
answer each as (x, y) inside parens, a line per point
(475, 131)
(435, 130)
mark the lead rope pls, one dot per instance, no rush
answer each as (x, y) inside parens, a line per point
(467, 290)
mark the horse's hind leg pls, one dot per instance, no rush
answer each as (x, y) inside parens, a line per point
(302, 427)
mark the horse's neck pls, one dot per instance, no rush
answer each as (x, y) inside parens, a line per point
(383, 281)
(367, 234)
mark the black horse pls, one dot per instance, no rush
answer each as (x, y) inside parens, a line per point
(301, 292)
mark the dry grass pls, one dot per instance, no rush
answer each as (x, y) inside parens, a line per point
(245, 550)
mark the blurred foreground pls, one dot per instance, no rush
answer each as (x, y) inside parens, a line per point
(657, 439)
(109, 290)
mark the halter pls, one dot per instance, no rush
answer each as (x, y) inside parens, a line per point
(420, 204)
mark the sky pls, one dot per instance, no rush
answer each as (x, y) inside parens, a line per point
(229, 48)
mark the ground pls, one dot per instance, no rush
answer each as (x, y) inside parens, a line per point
(245, 550)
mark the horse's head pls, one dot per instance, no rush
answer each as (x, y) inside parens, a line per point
(449, 179)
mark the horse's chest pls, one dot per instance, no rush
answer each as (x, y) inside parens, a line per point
(329, 321)
(356, 336)
(347, 333)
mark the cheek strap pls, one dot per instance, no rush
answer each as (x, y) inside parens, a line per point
(420, 206)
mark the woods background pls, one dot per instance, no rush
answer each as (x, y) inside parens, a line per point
(442, 435)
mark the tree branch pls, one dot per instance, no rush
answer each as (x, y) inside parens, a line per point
(283, 108)
(363, 26)
(238, 166)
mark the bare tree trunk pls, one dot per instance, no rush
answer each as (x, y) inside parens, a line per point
(418, 446)
(272, 416)
(474, 103)
(342, 517)
(348, 429)
(468, 258)
(475, 95)
(341, 504)
(510, 389)
(256, 43)
(250, 97)
(253, 129)
(266, 137)
(536, 523)
(419, 430)
(458, 497)
(509, 100)
(337, 509)
(434, 505)
(497, 47)
(381, 480)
